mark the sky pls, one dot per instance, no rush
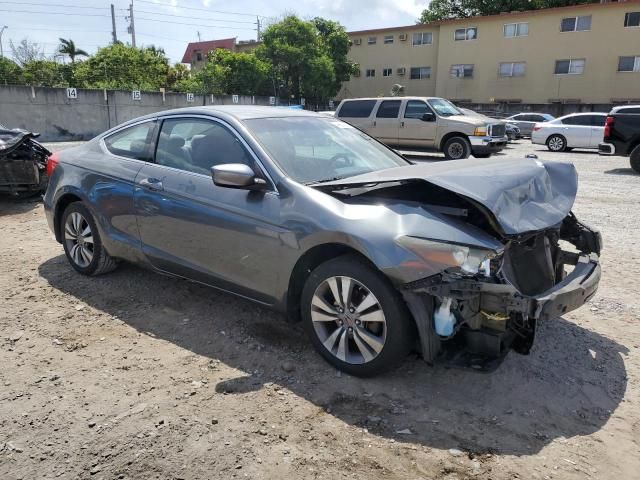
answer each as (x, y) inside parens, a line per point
(171, 24)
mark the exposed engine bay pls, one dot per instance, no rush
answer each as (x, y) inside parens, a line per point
(23, 163)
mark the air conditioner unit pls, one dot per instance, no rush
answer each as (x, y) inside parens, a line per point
(356, 73)
(357, 41)
(403, 37)
(401, 71)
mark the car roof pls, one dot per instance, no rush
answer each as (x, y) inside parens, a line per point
(404, 97)
(623, 107)
(581, 114)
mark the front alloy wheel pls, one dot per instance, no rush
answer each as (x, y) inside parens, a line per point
(348, 320)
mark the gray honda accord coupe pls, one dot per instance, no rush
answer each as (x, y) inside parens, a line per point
(303, 213)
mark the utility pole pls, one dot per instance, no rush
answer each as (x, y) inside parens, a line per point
(258, 24)
(1, 32)
(199, 37)
(113, 25)
(132, 25)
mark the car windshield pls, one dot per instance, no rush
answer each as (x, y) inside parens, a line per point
(315, 149)
(444, 107)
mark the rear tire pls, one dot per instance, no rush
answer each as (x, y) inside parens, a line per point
(82, 243)
(456, 148)
(556, 143)
(634, 159)
(354, 317)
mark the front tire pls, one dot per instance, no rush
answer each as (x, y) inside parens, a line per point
(354, 317)
(82, 244)
(556, 143)
(456, 148)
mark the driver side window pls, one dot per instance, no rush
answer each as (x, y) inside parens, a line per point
(416, 109)
(196, 145)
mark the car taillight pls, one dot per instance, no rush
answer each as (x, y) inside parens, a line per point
(607, 126)
(537, 127)
(52, 163)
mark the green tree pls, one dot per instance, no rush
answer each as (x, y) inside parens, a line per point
(123, 67)
(447, 9)
(68, 47)
(44, 73)
(10, 72)
(237, 73)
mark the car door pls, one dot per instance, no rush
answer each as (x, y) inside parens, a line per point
(577, 130)
(414, 131)
(387, 122)
(597, 129)
(190, 227)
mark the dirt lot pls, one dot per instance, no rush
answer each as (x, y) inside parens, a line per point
(134, 375)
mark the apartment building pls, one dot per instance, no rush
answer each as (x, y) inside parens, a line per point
(581, 54)
(196, 52)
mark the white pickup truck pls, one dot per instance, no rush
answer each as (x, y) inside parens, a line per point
(425, 123)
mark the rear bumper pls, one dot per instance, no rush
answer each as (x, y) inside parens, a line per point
(483, 145)
(606, 148)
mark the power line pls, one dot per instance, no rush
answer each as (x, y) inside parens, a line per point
(56, 13)
(186, 16)
(188, 24)
(51, 5)
(202, 9)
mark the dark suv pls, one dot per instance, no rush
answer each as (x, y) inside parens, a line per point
(622, 134)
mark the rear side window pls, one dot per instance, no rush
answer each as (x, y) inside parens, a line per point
(389, 109)
(597, 120)
(357, 109)
(133, 142)
(582, 120)
(537, 118)
(629, 110)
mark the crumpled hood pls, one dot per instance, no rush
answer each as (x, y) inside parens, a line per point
(12, 139)
(523, 195)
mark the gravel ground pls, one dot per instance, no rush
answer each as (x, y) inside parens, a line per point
(134, 375)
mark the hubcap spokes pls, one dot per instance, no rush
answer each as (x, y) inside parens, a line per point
(556, 143)
(348, 320)
(79, 239)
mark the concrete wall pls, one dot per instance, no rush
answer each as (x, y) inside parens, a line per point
(58, 118)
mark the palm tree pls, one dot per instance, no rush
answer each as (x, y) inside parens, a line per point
(68, 47)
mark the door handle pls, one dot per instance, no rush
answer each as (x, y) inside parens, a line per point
(402, 124)
(151, 184)
(374, 123)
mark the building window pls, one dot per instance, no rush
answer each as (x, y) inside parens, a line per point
(629, 64)
(632, 19)
(198, 57)
(465, 34)
(387, 72)
(422, 38)
(512, 69)
(516, 30)
(370, 72)
(372, 40)
(388, 39)
(569, 67)
(420, 72)
(575, 24)
(461, 71)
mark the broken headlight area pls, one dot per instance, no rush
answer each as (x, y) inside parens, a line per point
(23, 162)
(473, 313)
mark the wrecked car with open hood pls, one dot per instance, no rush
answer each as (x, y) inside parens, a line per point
(23, 163)
(310, 216)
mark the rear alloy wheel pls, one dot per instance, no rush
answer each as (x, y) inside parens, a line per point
(556, 143)
(355, 318)
(456, 148)
(82, 243)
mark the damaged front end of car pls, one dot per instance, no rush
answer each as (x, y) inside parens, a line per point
(527, 258)
(23, 163)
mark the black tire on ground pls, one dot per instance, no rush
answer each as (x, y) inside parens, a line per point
(634, 159)
(556, 143)
(482, 155)
(456, 148)
(400, 329)
(101, 261)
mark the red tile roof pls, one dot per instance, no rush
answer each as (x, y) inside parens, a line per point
(206, 47)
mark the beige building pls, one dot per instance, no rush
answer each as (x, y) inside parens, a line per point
(580, 54)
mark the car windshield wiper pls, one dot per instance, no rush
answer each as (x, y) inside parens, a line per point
(333, 179)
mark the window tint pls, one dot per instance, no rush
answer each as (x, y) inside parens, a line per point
(357, 109)
(580, 120)
(389, 109)
(537, 118)
(132, 142)
(632, 19)
(416, 109)
(196, 145)
(597, 120)
(629, 110)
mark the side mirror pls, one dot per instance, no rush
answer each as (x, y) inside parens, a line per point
(428, 117)
(236, 175)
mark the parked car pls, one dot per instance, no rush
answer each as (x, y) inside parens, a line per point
(622, 134)
(308, 215)
(526, 121)
(23, 163)
(577, 130)
(512, 132)
(424, 123)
